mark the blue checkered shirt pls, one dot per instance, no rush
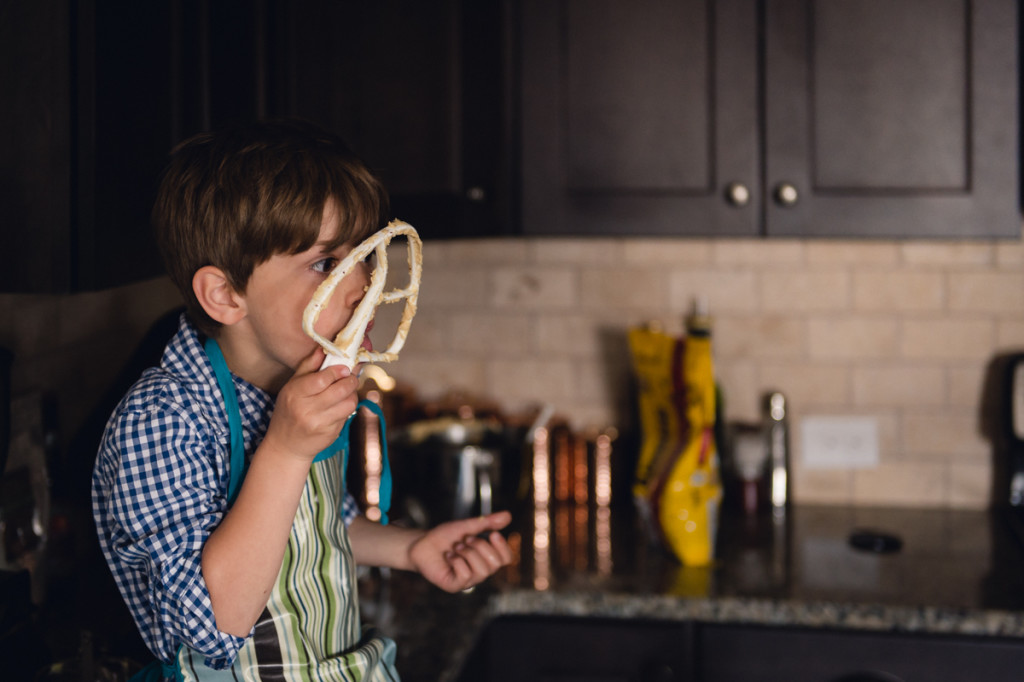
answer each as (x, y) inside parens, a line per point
(160, 488)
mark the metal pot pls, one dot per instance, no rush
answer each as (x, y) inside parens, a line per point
(455, 467)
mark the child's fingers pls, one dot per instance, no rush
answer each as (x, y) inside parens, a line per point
(489, 551)
(459, 570)
(480, 524)
(498, 520)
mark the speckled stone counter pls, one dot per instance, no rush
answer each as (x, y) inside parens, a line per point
(957, 572)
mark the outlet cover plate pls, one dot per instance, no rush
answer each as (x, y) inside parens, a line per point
(839, 442)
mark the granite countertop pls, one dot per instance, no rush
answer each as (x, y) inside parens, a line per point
(957, 572)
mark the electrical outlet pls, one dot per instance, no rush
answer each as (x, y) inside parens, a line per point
(839, 442)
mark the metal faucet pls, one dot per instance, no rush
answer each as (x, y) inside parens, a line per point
(778, 452)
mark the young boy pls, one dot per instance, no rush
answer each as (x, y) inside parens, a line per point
(262, 585)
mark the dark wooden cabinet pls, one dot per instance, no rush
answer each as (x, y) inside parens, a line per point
(627, 650)
(734, 653)
(85, 117)
(892, 119)
(569, 649)
(782, 118)
(637, 116)
(96, 93)
(421, 91)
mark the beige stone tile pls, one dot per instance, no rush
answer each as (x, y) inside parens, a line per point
(822, 487)
(942, 253)
(598, 383)
(857, 253)
(942, 434)
(435, 253)
(587, 336)
(898, 291)
(987, 292)
(434, 377)
(853, 337)
(624, 288)
(947, 338)
(902, 484)
(1010, 254)
(1010, 334)
(522, 383)
(971, 485)
(892, 385)
(763, 337)
(808, 385)
(488, 335)
(726, 291)
(473, 252)
(593, 252)
(535, 288)
(740, 391)
(652, 251)
(451, 287)
(796, 292)
(775, 253)
(585, 417)
(966, 385)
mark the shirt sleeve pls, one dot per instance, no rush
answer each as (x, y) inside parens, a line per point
(349, 509)
(164, 496)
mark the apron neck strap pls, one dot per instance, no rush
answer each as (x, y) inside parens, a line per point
(227, 388)
(238, 464)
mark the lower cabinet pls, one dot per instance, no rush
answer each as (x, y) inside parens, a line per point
(550, 649)
(581, 649)
(754, 654)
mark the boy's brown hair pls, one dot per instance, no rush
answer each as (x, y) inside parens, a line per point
(234, 198)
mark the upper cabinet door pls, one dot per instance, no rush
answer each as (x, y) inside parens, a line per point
(876, 118)
(419, 89)
(891, 118)
(640, 117)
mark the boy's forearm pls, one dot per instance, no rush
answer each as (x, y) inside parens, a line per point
(377, 545)
(243, 555)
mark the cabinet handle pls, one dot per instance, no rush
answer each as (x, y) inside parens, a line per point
(786, 194)
(737, 194)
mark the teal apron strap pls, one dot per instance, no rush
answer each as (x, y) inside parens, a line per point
(385, 474)
(158, 672)
(227, 387)
(238, 463)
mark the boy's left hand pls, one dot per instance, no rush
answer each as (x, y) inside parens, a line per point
(454, 557)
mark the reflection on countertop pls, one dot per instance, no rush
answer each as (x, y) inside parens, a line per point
(956, 572)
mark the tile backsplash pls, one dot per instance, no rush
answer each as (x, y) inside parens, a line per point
(903, 332)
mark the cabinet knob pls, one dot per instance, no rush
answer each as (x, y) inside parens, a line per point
(737, 194)
(476, 194)
(786, 194)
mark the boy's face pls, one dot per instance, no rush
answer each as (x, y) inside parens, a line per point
(281, 287)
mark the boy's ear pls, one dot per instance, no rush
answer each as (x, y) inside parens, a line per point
(218, 298)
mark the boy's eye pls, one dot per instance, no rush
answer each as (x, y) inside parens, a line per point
(325, 265)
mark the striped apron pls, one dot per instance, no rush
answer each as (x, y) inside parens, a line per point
(310, 628)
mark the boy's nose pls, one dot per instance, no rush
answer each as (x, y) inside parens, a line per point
(354, 286)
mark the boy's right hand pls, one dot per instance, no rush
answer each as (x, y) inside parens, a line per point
(312, 408)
